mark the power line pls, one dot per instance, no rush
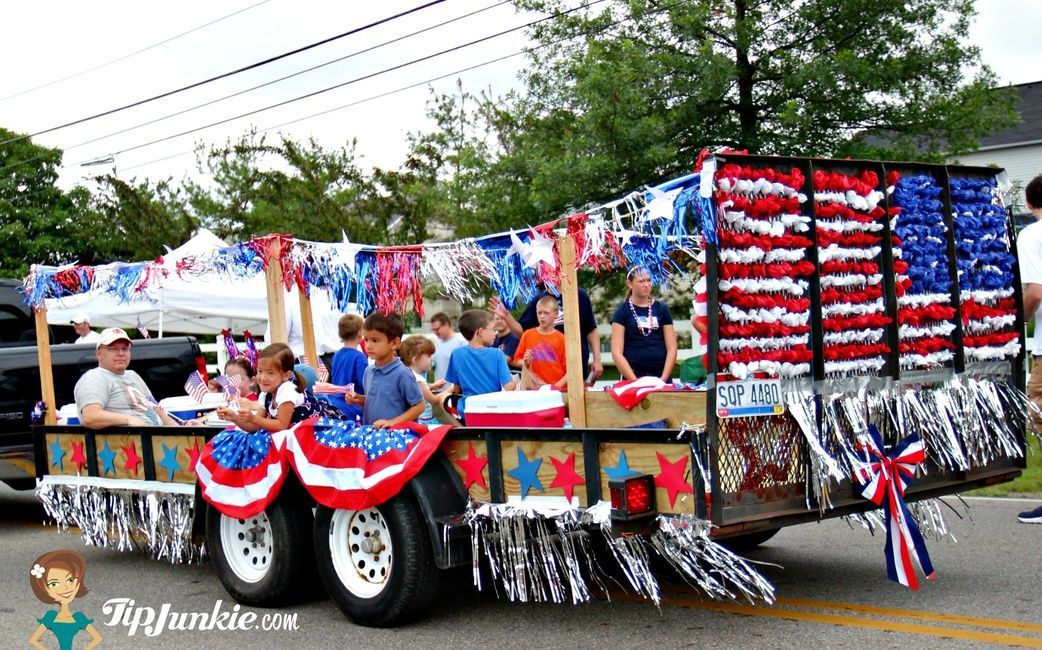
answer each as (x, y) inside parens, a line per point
(658, 9)
(226, 74)
(132, 54)
(362, 101)
(353, 81)
(289, 76)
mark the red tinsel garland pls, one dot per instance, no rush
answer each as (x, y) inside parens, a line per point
(994, 339)
(775, 270)
(925, 346)
(757, 330)
(847, 323)
(919, 316)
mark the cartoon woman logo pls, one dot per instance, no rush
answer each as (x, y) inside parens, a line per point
(57, 577)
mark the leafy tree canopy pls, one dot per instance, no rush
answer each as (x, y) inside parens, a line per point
(35, 216)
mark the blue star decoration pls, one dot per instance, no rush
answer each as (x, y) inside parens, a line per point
(526, 473)
(622, 470)
(107, 458)
(169, 461)
(57, 453)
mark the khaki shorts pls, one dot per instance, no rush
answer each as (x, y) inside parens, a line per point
(1034, 390)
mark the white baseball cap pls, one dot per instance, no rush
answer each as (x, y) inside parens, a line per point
(111, 335)
(80, 318)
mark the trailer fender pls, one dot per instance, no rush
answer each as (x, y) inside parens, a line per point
(442, 499)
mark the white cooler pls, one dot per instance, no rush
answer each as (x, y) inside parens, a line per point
(516, 408)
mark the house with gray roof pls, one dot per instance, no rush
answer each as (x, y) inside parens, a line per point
(1017, 149)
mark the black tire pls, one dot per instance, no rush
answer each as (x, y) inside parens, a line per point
(268, 571)
(387, 584)
(748, 541)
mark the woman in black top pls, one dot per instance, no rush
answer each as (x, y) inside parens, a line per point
(643, 340)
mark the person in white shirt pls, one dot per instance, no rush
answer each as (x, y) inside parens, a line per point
(112, 395)
(1029, 250)
(81, 323)
(448, 340)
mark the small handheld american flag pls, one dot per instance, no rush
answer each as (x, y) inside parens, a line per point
(229, 390)
(323, 371)
(196, 386)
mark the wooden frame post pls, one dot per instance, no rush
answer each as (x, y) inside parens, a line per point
(307, 324)
(572, 333)
(276, 294)
(43, 352)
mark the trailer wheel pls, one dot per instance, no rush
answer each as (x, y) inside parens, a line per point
(377, 563)
(748, 541)
(262, 559)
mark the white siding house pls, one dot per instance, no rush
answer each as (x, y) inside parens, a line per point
(1017, 149)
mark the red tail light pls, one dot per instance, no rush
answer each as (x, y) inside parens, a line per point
(632, 497)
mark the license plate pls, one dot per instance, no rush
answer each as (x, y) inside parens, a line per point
(752, 397)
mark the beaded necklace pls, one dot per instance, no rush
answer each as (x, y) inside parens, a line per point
(645, 331)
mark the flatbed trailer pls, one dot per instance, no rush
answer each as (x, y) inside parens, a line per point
(529, 505)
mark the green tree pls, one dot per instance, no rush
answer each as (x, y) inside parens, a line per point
(36, 217)
(627, 92)
(300, 189)
(132, 220)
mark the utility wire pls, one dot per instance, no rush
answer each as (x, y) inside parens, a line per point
(658, 9)
(127, 56)
(363, 101)
(352, 81)
(226, 74)
(280, 79)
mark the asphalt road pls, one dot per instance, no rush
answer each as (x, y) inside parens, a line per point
(830, 581)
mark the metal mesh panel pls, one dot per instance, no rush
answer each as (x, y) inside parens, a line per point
(760, 452)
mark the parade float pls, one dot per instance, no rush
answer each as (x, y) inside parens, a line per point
(865, 355)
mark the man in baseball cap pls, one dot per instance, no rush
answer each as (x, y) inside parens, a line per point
(81, 323)
(112, 394)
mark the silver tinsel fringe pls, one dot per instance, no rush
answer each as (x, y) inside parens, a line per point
(144, 517)
(965, 422)
(928, 515)
(544, 554)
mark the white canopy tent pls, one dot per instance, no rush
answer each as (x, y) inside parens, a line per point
(184, 305)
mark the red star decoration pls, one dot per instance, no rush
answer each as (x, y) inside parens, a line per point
(77, 455)
(566, 478)
(671, 478)
(132, 458)
(473, 466)
(193, 454)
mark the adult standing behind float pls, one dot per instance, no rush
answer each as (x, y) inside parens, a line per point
(591, 341)
(1029, 250)
(81, 323)
(111, 395)
(448, 340)
(643, 340)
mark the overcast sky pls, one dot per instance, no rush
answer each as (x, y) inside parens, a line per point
(46, 41)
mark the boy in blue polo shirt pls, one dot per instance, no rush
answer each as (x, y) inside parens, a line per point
(391, 393)
(477, 368)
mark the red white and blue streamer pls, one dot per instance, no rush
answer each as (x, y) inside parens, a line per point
(339, 463)
(883, 479)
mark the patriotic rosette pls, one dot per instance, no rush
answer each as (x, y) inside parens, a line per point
(339, 463)
(763, 270)
(985, 264)
(925, 314)
(849, 213)
(882, 478)
(349, 466)
(241, 473)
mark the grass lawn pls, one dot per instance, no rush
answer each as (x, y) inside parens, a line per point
(1029, 483)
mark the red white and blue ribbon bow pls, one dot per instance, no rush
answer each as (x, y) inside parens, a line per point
(883, 480)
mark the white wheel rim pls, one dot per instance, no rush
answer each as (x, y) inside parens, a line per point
(248, 546)
(361, 549)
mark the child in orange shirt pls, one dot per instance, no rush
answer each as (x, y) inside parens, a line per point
(541, 350)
